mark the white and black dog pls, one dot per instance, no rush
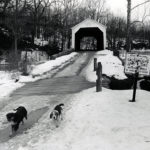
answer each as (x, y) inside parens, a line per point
(16, 118)
(56, 113)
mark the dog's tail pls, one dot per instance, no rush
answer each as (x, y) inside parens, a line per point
(61, 104)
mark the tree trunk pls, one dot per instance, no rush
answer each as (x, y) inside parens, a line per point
(114, 43)
(16, 44)
(62, 44)
(69, 42)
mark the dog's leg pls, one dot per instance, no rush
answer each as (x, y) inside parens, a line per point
(12, 131)
(57, 123)
(61, 117)
(26, 117)
(22, 122)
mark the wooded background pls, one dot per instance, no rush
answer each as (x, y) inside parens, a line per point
(21, 21)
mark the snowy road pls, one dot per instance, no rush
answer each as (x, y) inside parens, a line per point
(61, 83)
(43, 94)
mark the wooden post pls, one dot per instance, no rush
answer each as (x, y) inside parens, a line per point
(95, 64)
(99, 77)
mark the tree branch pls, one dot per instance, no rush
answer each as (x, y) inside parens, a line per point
(137, 21)
(140, 4)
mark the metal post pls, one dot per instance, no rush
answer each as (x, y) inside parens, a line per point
(134, 87)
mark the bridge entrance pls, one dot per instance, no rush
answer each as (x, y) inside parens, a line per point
(89, 35)
(89, 39)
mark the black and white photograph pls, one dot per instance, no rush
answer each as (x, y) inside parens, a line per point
(74, 74)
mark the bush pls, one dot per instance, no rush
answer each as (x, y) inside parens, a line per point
(6, 38)
(117, 84)
(50, 49)
(145, 85)
(116, 53)
(13, 61)
(25, 42)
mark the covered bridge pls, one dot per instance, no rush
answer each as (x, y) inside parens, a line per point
(89, 28)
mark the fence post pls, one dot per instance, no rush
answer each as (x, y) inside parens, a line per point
(99, 77)
(95, 64)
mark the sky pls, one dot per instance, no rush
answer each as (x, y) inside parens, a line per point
(119, 7)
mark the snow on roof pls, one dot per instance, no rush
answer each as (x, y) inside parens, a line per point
(89, 20)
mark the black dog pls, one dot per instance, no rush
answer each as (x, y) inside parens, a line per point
(56, 114)
(16, 118)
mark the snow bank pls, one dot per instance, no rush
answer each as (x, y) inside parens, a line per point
(49, 65)
(7, 88)
(7, 84)
(111, 66)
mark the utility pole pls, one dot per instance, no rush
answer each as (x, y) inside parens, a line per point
(129, 9)
(16, 28)
(128, 37)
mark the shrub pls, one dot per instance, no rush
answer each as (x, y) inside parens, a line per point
(6, 38)
(26, 43)
(145, 85)
(117, 84)
(13, 61)
(50, 49)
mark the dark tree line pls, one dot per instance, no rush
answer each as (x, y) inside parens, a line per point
(21, 21)
(25, 20)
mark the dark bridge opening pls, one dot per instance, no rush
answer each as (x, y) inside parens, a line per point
(89, 39)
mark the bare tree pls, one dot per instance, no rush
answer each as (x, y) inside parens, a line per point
(3, 6)
(37, 11)
(96, 9)
(66, 7)
(129, 9)
(115, 30)
(18, 10)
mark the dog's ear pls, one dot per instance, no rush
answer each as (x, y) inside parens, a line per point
(8, 118)
(51, 115)
(62, 106)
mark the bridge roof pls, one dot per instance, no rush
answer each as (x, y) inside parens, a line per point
(88, 23)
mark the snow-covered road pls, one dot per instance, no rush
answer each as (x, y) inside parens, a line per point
(40, 95)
